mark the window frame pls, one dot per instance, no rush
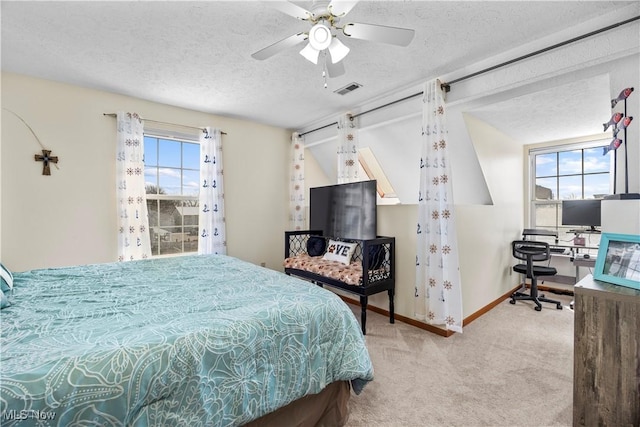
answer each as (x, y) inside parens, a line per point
(532, 202)
(158, 198)
(370, 168)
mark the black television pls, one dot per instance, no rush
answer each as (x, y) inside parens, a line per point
(582, 213)
(344, 210)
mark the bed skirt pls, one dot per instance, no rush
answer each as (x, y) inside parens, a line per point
(327, 408)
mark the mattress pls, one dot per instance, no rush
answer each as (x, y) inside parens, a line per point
(194, 340)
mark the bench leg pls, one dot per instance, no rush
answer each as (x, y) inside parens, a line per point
(363, 313)
(392, 318)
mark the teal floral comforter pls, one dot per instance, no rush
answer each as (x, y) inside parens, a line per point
(191, 341)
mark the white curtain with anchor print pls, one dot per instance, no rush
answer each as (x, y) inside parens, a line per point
(212, 235)
(438, 296)
(133, 222)
(297, 212)
(348, 165)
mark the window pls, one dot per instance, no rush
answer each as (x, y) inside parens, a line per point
(578, 171)
(371, 168)
(172, 176)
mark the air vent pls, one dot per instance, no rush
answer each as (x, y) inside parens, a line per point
(348, 88)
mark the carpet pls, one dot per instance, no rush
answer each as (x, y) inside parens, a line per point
(513, 366)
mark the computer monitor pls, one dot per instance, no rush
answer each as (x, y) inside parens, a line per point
(582, 213)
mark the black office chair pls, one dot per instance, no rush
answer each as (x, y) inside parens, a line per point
(532, 251)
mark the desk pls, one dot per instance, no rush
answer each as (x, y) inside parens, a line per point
(570, 251)
(577, 260)
(581, 262)
(574, 249)
(585, 262)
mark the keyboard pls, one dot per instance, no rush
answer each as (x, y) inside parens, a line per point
(556, 250)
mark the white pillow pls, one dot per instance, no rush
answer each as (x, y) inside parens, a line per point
(339, 251)
(6, 278)
(4, 301)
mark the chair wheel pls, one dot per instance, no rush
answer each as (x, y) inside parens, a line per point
(538, 308)
(559, 306)
(512, 301)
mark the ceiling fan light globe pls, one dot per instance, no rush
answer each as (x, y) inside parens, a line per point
(320, 37)
(338, 50)
(310, 53)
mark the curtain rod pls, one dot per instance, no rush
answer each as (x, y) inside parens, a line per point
(164, 123)
(364, 112)
(447, 86)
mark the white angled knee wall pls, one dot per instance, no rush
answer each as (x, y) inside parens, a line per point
(621, 216)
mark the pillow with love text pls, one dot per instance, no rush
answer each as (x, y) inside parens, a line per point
(339, 251)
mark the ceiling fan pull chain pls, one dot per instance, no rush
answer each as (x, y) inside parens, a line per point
(324, 70)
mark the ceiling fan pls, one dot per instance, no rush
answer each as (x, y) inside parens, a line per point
(325, 18)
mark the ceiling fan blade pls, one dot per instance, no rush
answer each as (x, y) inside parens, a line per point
(379, 33)
(292, 9)
(341, 7)
(335, 70)
(277, 47)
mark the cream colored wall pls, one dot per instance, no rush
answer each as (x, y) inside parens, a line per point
(485, 232)
(314, 176)
(400, 221)
(1, 112)
(69, 217)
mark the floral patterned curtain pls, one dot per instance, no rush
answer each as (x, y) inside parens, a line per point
(297, 213)
(133, 221)
(438, 296)
(212, 236)
(347, 149)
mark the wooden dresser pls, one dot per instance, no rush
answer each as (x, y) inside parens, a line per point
(606, 381)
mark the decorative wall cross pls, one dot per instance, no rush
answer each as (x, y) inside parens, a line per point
(45, 158)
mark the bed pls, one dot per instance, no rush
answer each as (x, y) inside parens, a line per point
(194, 340)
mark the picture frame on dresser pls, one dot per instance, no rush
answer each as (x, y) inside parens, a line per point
(618, 260)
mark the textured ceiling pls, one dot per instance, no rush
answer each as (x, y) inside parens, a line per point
(197, 55)
(572, 110)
